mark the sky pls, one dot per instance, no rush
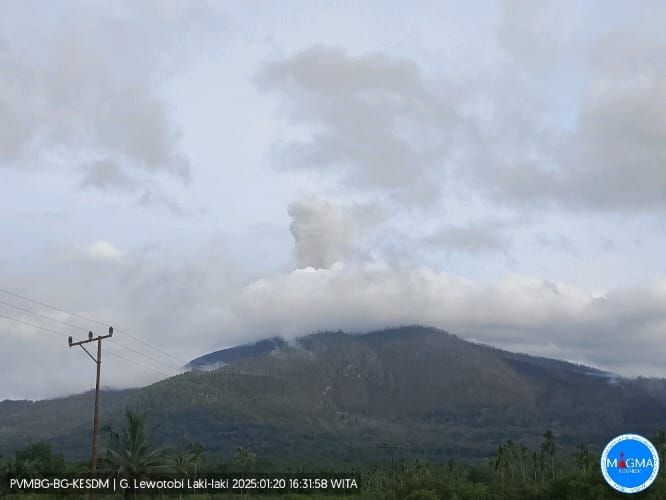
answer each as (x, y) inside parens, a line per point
(205, 174)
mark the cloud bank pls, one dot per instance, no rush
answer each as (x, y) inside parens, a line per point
(372, 117)
(83, 94)
(496, 174)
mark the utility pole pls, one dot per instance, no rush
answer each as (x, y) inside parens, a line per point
(98, 362)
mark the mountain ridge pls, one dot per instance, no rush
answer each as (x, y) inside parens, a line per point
(333, 394)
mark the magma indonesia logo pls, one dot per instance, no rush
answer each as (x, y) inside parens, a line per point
(630, 463)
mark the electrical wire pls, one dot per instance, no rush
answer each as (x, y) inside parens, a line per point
(71, 325)
(192, 380)
(84, 318)
(172, 367)
(48, 330)
(115, 354)
(55, 332)
(195, 381)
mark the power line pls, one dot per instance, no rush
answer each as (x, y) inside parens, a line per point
(193, 380)
(8, 292)
(84, 318)
(71, 325)
(63, 334)
(48, 330)
(138, 364)
(172, 367)
(164, 353)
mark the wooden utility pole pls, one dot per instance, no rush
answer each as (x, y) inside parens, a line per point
(98, 362)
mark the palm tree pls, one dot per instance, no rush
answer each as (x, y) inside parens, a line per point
(523, 454)
(129, 455)
(510, 448)
(190, 461)
(245, 459)
(537, 465)
(549, 449)
(197, 453)
(500, 461)
(584, 459)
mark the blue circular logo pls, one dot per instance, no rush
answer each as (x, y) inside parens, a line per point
(630, 463)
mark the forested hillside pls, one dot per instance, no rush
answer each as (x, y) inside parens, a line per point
(417, 390)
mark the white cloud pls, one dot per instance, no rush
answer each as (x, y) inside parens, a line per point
(606, 152)
(82, 93)
(103, 250)
(372, 118)
(191, 301)
(615, 329)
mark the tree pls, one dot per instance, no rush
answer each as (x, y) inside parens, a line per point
(500, 461)
(522, 454)
(537, 465)
(245, 459)
(190, 461)
(549, 449)
(510, 448)
(129, 455)
(584, 459)
(198, 454)
(37, 459)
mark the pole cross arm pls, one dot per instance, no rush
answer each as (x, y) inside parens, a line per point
(90, 339)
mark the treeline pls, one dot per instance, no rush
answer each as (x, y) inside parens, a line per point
(515, 471)
(128, 454)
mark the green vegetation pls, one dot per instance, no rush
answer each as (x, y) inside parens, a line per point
(334, 398)
(514, 472)
(129, 455)
(394, 406)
